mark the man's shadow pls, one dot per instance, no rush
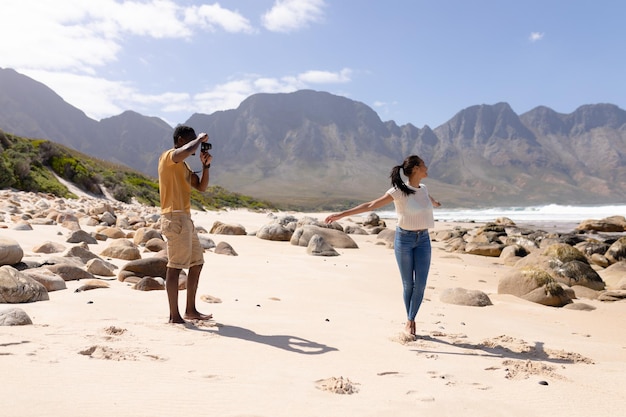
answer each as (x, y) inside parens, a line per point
(285, 342)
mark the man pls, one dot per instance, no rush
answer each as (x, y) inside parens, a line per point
(183, 246)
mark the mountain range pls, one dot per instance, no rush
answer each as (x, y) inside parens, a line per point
(315, 150)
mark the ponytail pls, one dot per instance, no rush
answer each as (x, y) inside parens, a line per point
(407, 167)
(397, 182)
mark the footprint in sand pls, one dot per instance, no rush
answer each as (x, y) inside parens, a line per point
(339, 385)
(108, 353)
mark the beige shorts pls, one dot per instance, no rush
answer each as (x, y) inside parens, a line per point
(183, 245)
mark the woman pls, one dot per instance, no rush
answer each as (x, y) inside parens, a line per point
(414, 207)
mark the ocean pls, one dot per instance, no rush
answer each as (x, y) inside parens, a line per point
(547, 217)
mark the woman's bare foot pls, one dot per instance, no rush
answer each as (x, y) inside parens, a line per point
(413, 330)
(408, 328)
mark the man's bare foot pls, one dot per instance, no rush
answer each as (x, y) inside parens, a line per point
(177, 320)
(198, 316)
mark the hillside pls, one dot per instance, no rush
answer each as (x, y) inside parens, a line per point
(315, 150)
(47, 167)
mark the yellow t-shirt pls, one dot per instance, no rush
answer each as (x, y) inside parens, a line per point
(174, 184)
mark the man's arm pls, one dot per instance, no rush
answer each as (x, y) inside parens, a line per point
(185, 151)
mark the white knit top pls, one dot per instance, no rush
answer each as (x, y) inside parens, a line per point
(415, 211)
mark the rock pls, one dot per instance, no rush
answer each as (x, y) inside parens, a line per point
(585, 292)
(373, 220)
(579, 307)
(108, 218)
(534, 284)
(69, 221)
(50, 280)
(69, 272)
(504, 221)
(206, 242)
(100, 267)
(461, 296)
(157, 245)
(550, 295)
(152, 267)
(83, 254)
(49, 247)
(319, 247)
(484, 249)
(388, 236)
(145, 234)
(224, 248)
(112, 232)
(614, 274)
(617, 251)
(79, 236)
(10, 251)
(610, 224)
(22, 226)
(15, 287)
(274, 231)
(220, 228)
(149, 284)
(14, 317)
(612, 295)
(336, 238)
(92, 284)
(600, 260)
(354, 230)
(122, 249)
(580, 273)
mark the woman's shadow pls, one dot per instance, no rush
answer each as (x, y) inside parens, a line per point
(285, 342)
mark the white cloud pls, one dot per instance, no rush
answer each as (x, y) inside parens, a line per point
(78, 35)
(230, 94)
(535, 36)
(209, 16)
(292, 15)
(326, 77)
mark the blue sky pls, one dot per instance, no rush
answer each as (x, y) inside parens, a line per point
(412, 61)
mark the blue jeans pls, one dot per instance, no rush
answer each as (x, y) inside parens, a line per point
(413, 252)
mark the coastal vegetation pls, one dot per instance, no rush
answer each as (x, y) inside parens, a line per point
(36, 165)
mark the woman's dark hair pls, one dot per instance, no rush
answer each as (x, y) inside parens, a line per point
(183, 131)
(407, 166)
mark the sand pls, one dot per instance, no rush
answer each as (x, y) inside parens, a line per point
(301, 335)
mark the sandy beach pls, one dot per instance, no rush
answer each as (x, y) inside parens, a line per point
(302, 335)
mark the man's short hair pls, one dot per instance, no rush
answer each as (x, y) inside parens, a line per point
(184, 132)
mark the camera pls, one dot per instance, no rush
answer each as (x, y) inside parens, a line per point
(205, 147)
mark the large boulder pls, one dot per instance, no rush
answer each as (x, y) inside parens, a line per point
(614, 274)
(274, 231)
(609, 224)
(122, 249)
(220, 228)
(617, 251)
(47, 278)
(336, 238)
(15, 287)
(319, 247)
(536, 285)
(461, 296)
(70, 272)
(148, 267)
(10, 251)
(14, 317)
(144, 234)
(579, 273)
